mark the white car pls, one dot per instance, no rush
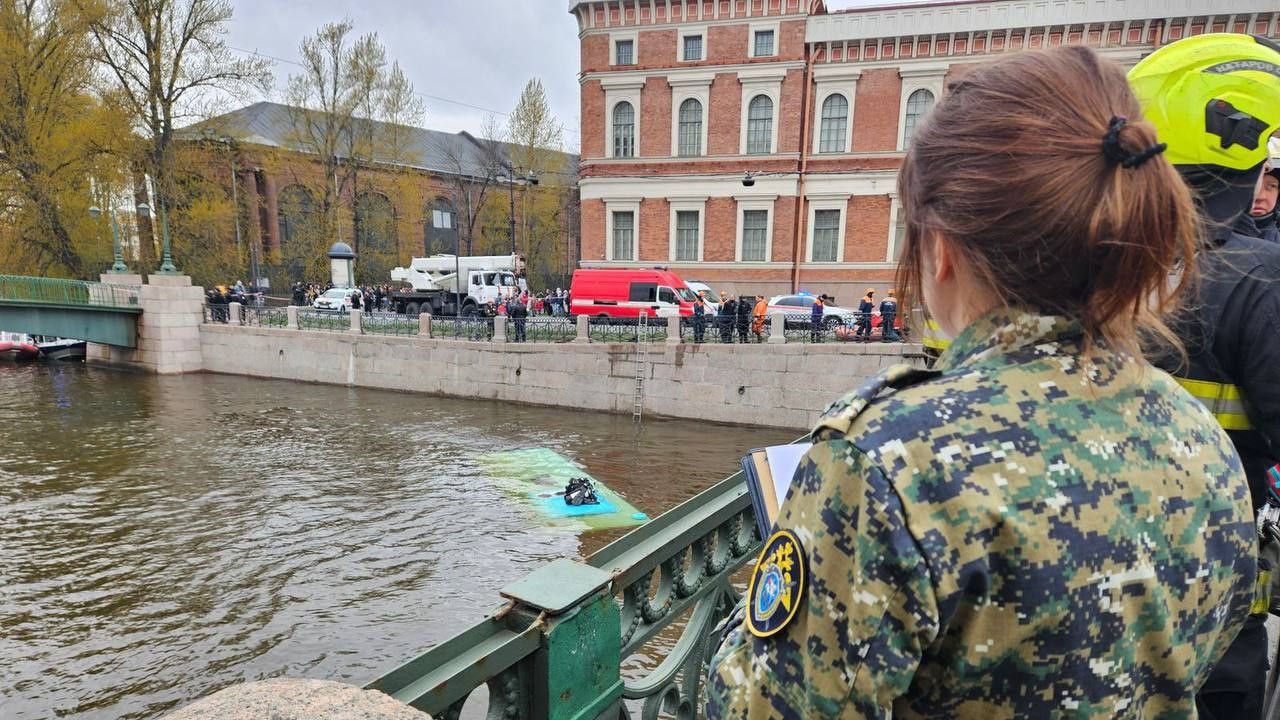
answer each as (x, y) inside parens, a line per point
(796, 305)
(335, 300)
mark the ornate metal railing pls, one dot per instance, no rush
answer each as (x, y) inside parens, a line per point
(71, 293)
(621, 330)
(264, 316)
(388, 325)
(720, 330)
(328, 322)
(462, 328)
(556, 649)
(545, 329)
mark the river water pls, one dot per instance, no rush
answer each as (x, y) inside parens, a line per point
(164, 537)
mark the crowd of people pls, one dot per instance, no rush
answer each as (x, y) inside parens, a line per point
(745, 319)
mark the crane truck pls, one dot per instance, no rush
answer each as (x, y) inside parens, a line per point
(430, 283)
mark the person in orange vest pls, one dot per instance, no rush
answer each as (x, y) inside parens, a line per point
(758, 314)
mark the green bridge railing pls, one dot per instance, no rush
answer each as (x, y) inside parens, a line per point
(67, 293)
(557, 648)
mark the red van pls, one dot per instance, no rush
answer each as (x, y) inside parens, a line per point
(625, 293)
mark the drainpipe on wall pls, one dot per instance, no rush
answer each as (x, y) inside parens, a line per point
(798, 225)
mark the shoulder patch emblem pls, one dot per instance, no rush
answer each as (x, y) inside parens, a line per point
(777, 585)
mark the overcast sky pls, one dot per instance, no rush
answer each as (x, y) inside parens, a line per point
(465, 57)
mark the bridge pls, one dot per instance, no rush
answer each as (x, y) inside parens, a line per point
(98, 312)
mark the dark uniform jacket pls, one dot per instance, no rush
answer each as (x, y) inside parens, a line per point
(1232, 335)
(1030, 532)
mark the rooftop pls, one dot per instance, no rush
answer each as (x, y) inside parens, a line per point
(282, 126)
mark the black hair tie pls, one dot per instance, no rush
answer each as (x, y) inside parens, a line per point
(1116, 154)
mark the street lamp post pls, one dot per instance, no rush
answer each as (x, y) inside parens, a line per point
(118, 266)
(530, 178)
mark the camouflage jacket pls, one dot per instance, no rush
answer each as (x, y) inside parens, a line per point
(1027, 532)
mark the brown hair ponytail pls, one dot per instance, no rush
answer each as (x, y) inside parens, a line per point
(1040, 170)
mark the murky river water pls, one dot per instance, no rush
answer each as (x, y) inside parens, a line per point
(161, 538)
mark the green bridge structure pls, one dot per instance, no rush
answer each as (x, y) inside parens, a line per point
(97, 312)
(557, 648)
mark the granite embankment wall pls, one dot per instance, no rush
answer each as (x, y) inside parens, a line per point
(770, 385)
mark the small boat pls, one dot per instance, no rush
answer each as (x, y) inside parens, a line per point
(17, 347)
(56, 348)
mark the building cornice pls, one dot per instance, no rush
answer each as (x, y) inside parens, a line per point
(678, 74)
(957, 18)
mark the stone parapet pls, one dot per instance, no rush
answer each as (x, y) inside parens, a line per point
(287, 699)
(756, 384)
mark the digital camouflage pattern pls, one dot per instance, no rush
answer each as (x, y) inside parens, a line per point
(1027, 532)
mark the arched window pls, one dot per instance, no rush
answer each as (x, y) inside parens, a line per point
(440, 228)
(377, 247)
(835, 124)
(690, 128)
(760, 125)
(624, 130)
(918, 105)
(296, 211)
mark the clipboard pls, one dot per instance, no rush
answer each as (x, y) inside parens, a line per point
(769, 472)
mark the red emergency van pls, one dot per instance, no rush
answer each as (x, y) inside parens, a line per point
(625, 293)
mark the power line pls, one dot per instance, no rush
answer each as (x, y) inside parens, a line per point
(424, 96)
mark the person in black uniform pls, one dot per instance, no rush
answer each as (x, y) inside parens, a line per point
(728, 314)
(888, 316)
(519, 315)
(699, 319)
(1215, 112)
(865, 306)
(744, 317)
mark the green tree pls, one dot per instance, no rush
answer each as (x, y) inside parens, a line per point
(535, 140)
(56, 137)
(352, 111)
(170, 61)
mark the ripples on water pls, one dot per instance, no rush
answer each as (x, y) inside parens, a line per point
(163, 537)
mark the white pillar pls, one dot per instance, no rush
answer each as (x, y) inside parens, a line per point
(777, 322)
(292, 312)
(357, 328)
(424, 324)
(234, 310)
(673, 330)
(500, 329)
(584, 329)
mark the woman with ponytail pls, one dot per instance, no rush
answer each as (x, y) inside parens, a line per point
(1045, 525)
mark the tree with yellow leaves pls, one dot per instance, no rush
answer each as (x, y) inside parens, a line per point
(56, 136)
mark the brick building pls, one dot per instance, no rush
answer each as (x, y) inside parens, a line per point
(681, 99)
(412, 196)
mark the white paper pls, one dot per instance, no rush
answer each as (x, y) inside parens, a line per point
(783, 461)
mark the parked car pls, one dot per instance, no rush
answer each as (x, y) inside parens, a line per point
(609, 293)
(798, 309)
(336, 300)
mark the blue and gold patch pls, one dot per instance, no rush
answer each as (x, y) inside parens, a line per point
(777, 585)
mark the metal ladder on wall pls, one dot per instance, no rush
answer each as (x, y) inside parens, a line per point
(642, 341)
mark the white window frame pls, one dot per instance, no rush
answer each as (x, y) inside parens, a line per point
(755, 202)
(834, 81)
(631, 205)
(698, 205)
(755, 27)
(614, 37)
(827, 202)
(891, 243)
(769, 86)
(686, 32)
(616, 91)
(914, 79)
(683, 89)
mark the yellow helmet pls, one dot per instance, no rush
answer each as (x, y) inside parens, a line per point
(1215, 99)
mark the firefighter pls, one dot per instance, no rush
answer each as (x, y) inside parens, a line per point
(1215, 101)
